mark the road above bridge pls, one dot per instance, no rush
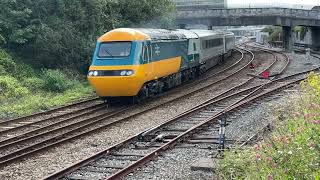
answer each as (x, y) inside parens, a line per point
(287, 18)
(248, 16)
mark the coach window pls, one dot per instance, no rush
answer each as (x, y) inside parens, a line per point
(194, 47)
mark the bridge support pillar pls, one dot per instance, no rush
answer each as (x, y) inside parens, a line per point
(315, 36)
(182, 26)
(287, 38)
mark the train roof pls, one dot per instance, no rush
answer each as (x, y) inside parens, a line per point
(316, 8)
(140, 34)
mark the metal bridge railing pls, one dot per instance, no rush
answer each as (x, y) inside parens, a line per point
(235, 12)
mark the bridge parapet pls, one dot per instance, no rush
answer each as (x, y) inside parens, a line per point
(255, 16)
(287, 18)
(285, 12)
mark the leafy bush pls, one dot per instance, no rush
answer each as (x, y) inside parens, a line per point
(24, 71)
(2, 40)
(50, 88)
(4, 54)
(3, 71)
(292, 151)
(34, 83)
(10, 87)
(8, 64)
(56, 81)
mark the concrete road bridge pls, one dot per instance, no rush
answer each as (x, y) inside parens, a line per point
(287, 18)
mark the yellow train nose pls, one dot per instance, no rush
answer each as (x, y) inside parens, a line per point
(113, 86)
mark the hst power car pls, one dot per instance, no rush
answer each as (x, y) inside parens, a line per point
(139, 63)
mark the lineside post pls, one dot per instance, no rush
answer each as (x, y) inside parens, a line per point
(222, 135)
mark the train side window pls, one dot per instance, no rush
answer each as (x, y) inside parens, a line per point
(194, 47)
(150, 52)
(145, 54)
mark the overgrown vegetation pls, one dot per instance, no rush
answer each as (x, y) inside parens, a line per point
(300, 30)
(24, 90)
(51, 42)
(275, 33)
(292, 151)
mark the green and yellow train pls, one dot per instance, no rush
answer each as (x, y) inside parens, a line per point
(140, 63)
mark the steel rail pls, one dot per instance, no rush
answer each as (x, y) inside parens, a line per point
(125, 171)
(27, 148)
(155, 153)
(121, 110)
(159, 150)
(268, 124)
(257, 46)
(79, 112)
(10, 159)
(15, 120)
(37, 132)
(89, 160)
(21, 119)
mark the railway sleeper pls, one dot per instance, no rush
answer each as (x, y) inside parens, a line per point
(98, 170)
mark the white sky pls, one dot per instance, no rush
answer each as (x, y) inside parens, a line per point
(281, 3)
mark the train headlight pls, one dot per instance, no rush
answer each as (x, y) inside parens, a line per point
(123, 73)
(95, 73)
(90, 73)
(129, 73)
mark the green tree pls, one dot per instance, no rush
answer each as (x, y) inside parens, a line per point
(16, 27)
(63, 33)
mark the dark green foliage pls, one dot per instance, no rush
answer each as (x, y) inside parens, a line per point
(34, 83)
(56, 81)
(302, 30)
(7, 65)
(16, 25)
(276, 35)
(24, 71)
(269, 30)
(138, 12)
(274, 32)
(10, 87)
(26, 90)
(63, 33)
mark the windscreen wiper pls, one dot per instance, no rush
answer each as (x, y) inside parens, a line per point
(109, 53)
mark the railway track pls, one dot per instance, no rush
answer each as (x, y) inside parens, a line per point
(315, 55)
(37, 121)
(215, 100)
(187, 160)
(281, 57)
(37, 140)
(8, 125)
(119, 160)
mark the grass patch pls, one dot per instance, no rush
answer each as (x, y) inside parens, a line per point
(291, 152)
(42, 101)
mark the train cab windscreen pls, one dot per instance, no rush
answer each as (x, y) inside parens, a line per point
(114, 49)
